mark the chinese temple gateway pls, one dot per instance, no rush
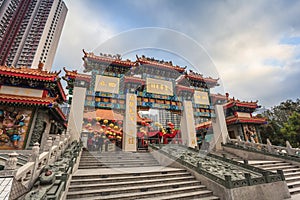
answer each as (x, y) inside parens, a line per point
(116, 90)
(29, 110)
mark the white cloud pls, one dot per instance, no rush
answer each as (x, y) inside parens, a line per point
(239, 36)
(83, 29)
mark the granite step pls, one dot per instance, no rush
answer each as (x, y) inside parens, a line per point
(128, 178)
(291, 174)
(117, 161)
(116, 166)
(279, 167)
(134, 189)
(116, 158)
(122, 174)
(263, 165)
(292, 178)
(293, 184)
(295, 190)
(117, 184)
(146, 194)
(292, 170)
(261, 162)
(191, 195)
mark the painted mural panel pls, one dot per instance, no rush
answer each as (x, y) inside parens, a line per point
(14, 125)
(250, 132)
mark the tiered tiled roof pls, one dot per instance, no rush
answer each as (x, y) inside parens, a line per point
(78, 76)
(109, 59)
(199, 77)
(162, 64)
(34, 74)
(232, 102)
(16, 99)
(29, 73)
(252, 120)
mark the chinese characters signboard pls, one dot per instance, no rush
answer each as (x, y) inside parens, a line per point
(157, 86)
(201, 98)
(129, 138)
(107, 84)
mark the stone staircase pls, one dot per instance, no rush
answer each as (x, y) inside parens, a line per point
(290, 171)
(90, 160)
(129, 179)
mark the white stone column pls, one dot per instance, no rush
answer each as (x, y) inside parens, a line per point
(76, 113)
(219, 128)
(130, 134)
(11, 162)
(187, 125)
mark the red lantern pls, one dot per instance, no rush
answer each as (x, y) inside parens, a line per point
(147, 124)
(103, 126)
(90, 119)
(120, 122)
(108, 128)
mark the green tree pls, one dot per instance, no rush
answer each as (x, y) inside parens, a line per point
(277, 116)
(291, 129)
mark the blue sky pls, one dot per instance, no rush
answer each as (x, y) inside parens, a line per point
(252, 46)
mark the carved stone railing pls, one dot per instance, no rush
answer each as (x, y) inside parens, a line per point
(287, 152)
(230, 174)
(27, 175)
(54, 179)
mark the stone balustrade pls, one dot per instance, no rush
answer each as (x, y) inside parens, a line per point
(288, 150)
(27, 174)
(230, 174)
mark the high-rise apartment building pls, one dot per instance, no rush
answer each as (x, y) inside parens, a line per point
(166, 116)
(30, 31)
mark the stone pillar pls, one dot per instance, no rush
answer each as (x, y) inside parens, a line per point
(269, 145)
(130, 134)
(57, 140)
(76, 113)
(187, 125)
(219, 128)
(11, 162)
(35, 158)
(241, 132)
(49, 144)
(35, 151)
(289, 148)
